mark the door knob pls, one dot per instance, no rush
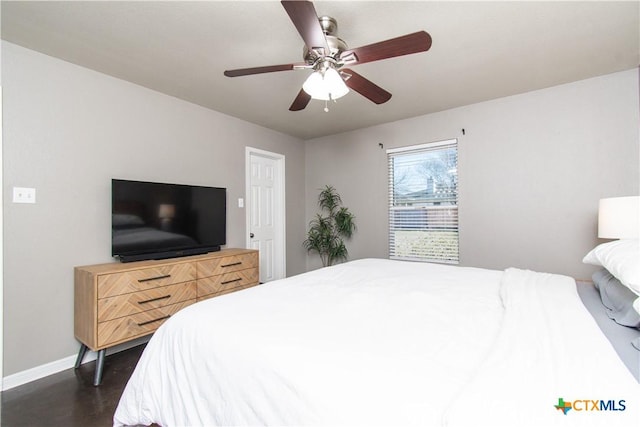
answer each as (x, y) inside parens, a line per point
(251, 235)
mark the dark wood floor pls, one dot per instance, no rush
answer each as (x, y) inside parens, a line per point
(68, 398)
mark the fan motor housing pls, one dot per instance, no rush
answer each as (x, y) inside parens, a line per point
(336, 45)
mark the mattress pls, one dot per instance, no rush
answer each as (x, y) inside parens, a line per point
(380, 342)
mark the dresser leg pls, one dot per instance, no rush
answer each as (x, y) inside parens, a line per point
(81, 353)
(97, 378)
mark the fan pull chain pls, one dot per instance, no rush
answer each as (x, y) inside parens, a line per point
(326, 106)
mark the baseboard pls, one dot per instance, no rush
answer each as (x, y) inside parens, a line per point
(24, 377)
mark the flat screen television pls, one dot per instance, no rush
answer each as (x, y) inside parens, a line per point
(152, 220)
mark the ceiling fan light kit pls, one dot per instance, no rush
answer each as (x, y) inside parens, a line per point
(326, 85)
(326, 54)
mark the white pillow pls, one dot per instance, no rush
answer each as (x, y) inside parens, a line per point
(621, 258)
(636, 305)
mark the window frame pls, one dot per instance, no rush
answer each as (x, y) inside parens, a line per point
(435, 219)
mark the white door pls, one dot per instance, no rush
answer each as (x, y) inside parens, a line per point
(265, 211)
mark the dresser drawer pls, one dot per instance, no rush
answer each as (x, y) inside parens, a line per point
(223, 282)
(136, 302)
(212, 267)
(136, 325)
(225, 291)
(143, 279)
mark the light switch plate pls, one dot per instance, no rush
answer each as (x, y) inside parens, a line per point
(241, 203)
(24, 195)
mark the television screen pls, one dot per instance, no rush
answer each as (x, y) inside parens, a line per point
(152, 220)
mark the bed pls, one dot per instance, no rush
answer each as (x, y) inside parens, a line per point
(381, 342)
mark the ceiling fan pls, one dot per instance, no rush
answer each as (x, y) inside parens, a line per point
(327, 55)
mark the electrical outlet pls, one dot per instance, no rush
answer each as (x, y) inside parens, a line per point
(24, 195)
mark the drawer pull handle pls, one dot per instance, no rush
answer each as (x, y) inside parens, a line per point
(154, 299)
(231, 281)
(154, 320)
(232, 264)
(154, 278)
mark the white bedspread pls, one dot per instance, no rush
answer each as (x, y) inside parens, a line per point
(379, 342)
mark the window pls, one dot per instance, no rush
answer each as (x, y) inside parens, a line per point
(423, 202)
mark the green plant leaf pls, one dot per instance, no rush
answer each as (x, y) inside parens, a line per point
(326, 231)
(329, 199)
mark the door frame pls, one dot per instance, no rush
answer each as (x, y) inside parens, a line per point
(280, 231)
(1, 250)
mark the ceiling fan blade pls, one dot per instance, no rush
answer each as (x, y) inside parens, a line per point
(403, 45)
(301, 101)
(364, 87)
(258, 70)
(304, 17)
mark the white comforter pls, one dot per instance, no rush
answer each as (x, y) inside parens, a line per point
(379, 342)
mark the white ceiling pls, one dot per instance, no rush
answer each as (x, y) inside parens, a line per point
(481, 50)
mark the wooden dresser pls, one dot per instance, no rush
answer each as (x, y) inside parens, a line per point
(118, 302)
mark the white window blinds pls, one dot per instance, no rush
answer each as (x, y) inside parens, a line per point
(423, 202)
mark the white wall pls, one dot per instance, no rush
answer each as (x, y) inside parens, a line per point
(68, 131)
(532, 168)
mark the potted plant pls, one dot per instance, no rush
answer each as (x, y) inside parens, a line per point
(328, 228)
